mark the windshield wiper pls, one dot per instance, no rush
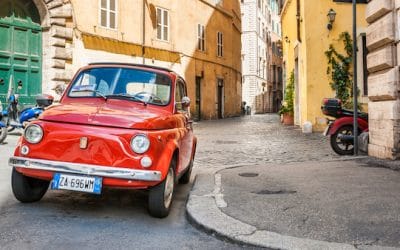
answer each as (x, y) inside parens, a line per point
(127, 96)
(91, 91)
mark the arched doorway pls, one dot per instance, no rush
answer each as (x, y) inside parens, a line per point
(20, 50)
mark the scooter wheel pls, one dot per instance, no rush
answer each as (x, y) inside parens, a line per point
(3, 134)
(339, 146)
(10, 128)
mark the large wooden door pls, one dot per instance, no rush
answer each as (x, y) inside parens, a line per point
(20, 50)
(220, 96)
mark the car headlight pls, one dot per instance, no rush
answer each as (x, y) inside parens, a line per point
(33, 133)
(140, 144)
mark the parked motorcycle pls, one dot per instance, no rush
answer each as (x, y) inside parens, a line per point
(3, 127)
(340, 129)
(14, 118)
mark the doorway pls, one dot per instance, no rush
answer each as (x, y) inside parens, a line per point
(20, 50)
(220, 98)
(297, 93)
(197, 111)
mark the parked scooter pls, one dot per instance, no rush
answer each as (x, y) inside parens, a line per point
(340, 129)
(14, 118)
(3, 127)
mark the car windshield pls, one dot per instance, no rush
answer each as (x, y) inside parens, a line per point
(123, 83)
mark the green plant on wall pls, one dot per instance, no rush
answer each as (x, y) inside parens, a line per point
(339, 70)
(288, 104)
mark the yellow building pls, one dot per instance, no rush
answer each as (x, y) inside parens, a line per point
(305, 38)
(199, 39)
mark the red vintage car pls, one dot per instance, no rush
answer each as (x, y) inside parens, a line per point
(117, 125)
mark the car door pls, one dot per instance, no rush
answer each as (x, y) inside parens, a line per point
(186, 131)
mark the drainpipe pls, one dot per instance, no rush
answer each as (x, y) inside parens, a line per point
(143, 30)
(298, 17)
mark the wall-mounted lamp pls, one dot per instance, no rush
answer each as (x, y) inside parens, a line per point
(287, 39)
(331, 18)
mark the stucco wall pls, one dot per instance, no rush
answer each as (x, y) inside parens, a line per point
(315, 40)
(73, 37)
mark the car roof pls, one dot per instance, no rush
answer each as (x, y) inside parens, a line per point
(133, 64)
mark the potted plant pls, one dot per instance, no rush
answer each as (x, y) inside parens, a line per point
(287, 109)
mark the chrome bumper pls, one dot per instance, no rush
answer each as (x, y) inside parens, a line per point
(85, 169)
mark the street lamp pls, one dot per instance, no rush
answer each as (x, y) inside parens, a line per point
(355, 104)
(331, 18)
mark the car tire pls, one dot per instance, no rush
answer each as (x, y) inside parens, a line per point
(185, 178)
(160, 196)
(27, 189)
(3, 134)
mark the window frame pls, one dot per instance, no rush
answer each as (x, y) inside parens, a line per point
(162, 24)
(220, 44)
(201, 40)
(108, 16)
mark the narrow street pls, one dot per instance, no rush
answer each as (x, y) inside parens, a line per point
(260, 178)
(119, 220)
(256, 139)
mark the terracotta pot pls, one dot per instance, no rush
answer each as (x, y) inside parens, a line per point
(288, 119)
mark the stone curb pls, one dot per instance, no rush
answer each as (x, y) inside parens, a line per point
(202, 209)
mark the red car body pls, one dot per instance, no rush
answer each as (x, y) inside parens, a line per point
(92, 135)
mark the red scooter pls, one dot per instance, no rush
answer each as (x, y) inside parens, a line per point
(340, 129)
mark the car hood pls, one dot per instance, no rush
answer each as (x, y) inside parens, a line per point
(110, 114)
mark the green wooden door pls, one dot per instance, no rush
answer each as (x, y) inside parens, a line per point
(20, 50)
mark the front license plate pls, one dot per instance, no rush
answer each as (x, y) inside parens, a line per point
(87, 184)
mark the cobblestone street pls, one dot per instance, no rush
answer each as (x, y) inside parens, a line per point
(270, 185)
(256, 139)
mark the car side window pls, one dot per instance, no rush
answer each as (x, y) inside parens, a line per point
(180, 92)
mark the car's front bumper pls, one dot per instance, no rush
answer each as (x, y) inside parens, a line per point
(85, 169)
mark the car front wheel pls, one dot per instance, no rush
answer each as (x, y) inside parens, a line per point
(27, 189)
(160, 196)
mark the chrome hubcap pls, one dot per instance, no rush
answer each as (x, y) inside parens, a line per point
(169, 188)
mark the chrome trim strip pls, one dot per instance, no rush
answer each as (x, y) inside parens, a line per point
(85, 169)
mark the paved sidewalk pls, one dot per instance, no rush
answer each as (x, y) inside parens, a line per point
(307, 205)
(301, 203)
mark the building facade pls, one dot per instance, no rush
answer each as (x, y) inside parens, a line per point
(43, 42)
(306, 35)
(254, 52)
(383, 82)
(274, 59)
